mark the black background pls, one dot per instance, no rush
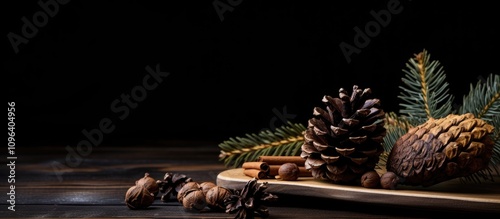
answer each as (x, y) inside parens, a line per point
(226, 77)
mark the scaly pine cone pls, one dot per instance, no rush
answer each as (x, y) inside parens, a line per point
(442, 149)
(344, 141)
(249, 202)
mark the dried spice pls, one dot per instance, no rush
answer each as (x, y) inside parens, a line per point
(248, 202)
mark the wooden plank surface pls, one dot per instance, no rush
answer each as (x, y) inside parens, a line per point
(96, 188)
(451, 195)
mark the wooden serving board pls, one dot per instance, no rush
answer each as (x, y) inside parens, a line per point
(450, 195)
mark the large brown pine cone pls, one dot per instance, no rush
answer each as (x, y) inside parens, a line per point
(343, 141)
(442, 149)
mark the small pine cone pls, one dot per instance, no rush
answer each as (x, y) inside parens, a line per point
(249, 202)
(442, 149)
(343, 141)
(171, 184)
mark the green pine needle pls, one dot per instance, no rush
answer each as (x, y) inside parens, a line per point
(284, 141)
(483, 100)
(426, 92)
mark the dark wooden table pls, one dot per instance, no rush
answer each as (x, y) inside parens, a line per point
(96, 187)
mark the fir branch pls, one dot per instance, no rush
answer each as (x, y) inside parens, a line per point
(426, 93)
(483, 100)
(285, 141)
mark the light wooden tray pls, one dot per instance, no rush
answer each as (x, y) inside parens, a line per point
(449, 195)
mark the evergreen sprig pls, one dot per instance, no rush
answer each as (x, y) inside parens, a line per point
(285, 141)
(426, 92)
(483, 99)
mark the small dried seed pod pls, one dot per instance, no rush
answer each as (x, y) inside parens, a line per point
(215, 197)
(185, 188)
(148, 182)
(389, 180)
(138, 197)
(194, 200)
(205, 186)
(370, 179)
(289, 172)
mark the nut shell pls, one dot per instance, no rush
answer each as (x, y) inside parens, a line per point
(370, 179)
(148, 182)
(389, 180)
(185, 188)
(215, 197)
(205, 186)
(194, 200)
(138, 197)
(289, 172)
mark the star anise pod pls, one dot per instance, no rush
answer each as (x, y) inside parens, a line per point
(171, 184)
(249, 201)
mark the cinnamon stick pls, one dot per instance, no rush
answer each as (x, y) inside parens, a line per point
(273, 171)
(263, 166)
(255, 173)
(278, 160)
